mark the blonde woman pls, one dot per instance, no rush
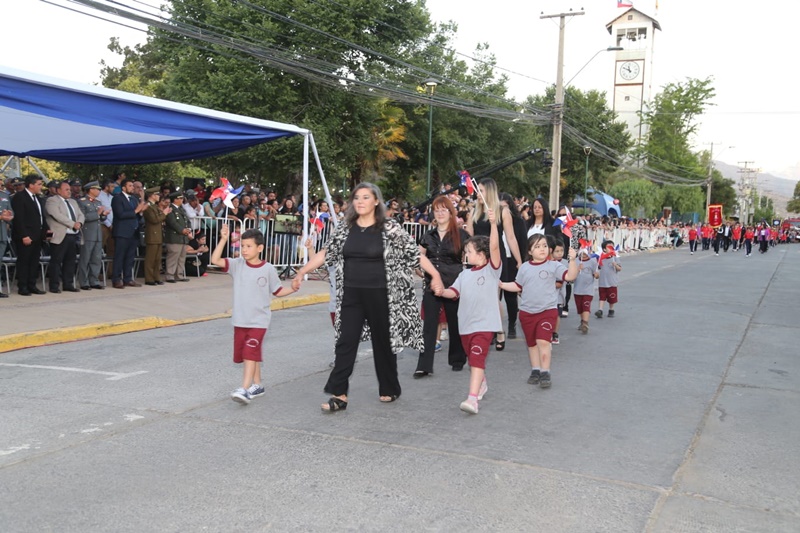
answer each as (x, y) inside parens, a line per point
(478, 224)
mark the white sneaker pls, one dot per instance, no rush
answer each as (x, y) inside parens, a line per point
(256, 390)
(470, 405)
(443, 335)
(240, 395)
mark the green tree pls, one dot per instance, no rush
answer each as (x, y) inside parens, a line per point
(794, 204)
(588, 122)
(638, 197)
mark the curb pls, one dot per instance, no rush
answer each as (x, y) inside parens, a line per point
(33, 339)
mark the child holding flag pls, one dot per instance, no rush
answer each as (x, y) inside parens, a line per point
(255, 282)
(608, 268)
(583, 287)
(538, 307)
(478, 312)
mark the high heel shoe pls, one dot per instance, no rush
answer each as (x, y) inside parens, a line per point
(500, 345)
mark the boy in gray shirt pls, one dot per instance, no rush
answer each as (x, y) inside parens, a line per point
(609, 279)
(583, 287)
(255, 282)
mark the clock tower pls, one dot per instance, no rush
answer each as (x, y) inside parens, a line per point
(633, 68)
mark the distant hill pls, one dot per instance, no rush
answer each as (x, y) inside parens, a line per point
(779, 189)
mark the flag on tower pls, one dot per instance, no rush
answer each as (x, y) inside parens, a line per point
(623, 3)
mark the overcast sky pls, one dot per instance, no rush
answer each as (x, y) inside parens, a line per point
(747, 48)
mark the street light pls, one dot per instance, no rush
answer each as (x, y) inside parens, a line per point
(555, 170)
(586, 150)
(609, 49)
(430, 88)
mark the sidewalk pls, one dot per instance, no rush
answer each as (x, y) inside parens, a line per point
(40, 320)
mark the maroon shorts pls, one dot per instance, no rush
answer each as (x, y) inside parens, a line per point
(477, 347)
(608, 294)
(583, 302)
(247, 344)
(538, 326)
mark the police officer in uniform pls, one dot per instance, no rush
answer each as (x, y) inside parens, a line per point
(177, 230)
(91, 256)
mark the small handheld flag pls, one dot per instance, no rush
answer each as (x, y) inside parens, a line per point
(466, 181)
(566, 222)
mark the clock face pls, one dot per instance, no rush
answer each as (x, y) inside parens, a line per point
(629, 70)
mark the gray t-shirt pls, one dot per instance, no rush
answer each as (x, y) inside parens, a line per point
(538, 284)
(478, 305)
(584, 283)
(253, 289)
(608, 274)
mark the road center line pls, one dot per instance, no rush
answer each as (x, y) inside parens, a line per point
(115, 376)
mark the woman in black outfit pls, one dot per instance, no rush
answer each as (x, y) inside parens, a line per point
(444, 247)
(510, 269)
(375, 259)
(478, 224)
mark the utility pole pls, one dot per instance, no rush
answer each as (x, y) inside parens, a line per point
(708, 180)
(558, 110)
(749, 185)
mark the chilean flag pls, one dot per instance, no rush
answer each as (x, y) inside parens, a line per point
(226, 192)
(566, 223)
(623, 3)
(466, 181)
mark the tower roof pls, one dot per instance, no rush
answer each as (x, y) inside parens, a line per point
(656, 25)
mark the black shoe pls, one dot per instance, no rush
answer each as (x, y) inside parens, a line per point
(151, 283)
(36, 290)
(170, 281)
(458, 367)
(534, 378)
(421, 374)
(3, 295)
(98, 287)
(159, 282)
(24, 292)
(512, 331)
(72, 289)
(544, 381)
(85, 288)
(610, 313)
(182, 279)
(598, 313)
(54, 291)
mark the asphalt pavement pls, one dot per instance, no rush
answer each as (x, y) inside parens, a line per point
(679, 414)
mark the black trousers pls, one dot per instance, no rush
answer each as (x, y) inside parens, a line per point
(124, 254)
(359, 305)
(748, 246)
(28, 264)
(63, 262)
(692, 245)
(455, 353)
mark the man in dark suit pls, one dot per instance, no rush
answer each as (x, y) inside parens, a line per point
(28, 233)
(126, 208)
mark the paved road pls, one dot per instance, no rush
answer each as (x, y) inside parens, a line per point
(678, 415)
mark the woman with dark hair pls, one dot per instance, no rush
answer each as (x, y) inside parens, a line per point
(510, 271)
(478, 224)
(444, 247)
(541, 221)
(375, 259)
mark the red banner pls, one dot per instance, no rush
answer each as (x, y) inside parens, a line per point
(715, 215)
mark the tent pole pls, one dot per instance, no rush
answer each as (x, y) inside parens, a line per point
(306, 198)
(31, 163)
(328, 197)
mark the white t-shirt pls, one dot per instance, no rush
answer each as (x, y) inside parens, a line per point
(253, 289)
(478, 305)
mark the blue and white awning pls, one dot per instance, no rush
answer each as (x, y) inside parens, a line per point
(74, 123)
